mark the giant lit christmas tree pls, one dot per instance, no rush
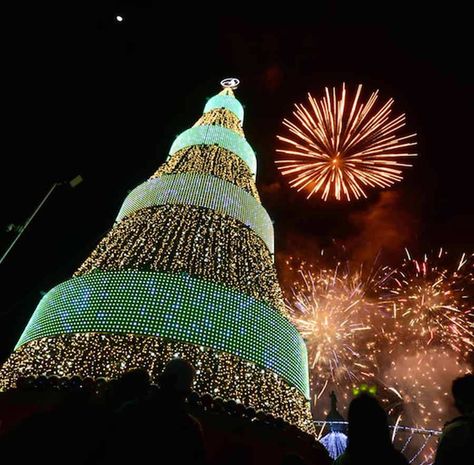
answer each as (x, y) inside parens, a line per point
(187, 271)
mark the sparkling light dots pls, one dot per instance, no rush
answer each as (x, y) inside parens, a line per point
(177, 307)
(202, 190)
(214, 160)
(195, 240)
(227, 103)
(225, 138)
(221, 117)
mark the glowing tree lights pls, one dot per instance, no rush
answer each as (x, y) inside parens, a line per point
(337, 148)
(187, 271)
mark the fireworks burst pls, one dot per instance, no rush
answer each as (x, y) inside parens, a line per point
(407, 330)
(339, 149)
(430, 304)
(330, 309)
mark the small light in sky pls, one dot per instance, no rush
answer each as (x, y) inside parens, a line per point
(119, 18)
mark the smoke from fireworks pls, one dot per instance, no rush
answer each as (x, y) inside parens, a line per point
(338, 149)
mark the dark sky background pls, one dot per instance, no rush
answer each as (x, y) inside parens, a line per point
(87, 95)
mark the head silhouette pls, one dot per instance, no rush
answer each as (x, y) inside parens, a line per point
(463, 393)
(177, 376)
(368, 427)
(133, 384)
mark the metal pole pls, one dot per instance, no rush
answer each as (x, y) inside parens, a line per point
(29, 220)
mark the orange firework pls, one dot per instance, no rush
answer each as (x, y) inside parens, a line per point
(339, 149)
(430, 303)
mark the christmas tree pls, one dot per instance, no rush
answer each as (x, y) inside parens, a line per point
(186, 271)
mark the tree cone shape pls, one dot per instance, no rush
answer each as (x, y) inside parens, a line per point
(186, 271)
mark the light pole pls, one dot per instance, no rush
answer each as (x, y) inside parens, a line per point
(19, 230)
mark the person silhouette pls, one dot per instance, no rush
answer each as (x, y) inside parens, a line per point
(456, 444)
(369, 441)
(158, 428)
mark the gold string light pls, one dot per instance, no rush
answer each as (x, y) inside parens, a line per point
(202, 190)
(195, 240)
(110, 355)
(221, 117)
(214, 160)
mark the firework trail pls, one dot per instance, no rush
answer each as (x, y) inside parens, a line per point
(428, 323)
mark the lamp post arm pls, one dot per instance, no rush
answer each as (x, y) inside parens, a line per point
(28, 221)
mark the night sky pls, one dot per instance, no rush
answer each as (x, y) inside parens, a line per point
(88, 95)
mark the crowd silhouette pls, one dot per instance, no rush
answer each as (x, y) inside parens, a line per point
(132, 421)
(129, 420)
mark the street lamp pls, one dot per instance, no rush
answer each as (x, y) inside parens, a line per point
(20, 229)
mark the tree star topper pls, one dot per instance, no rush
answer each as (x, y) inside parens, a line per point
(230, 83)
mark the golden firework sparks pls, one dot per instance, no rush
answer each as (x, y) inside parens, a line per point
(429, 303)
(428, 329)
(339, 149)
(407, 330)
(330, 309)
(421, 381)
